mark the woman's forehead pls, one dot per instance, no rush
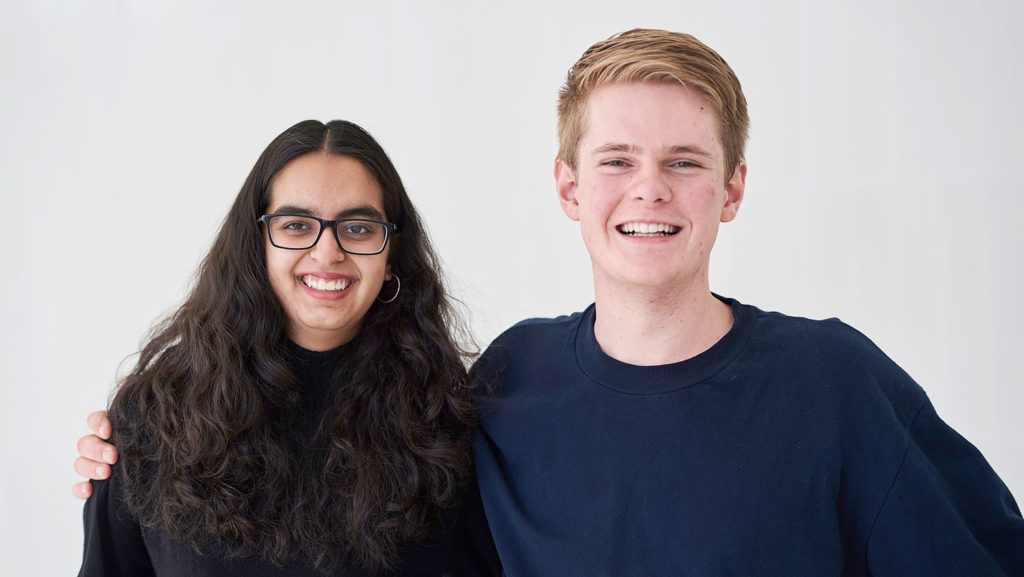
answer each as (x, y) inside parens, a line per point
(326, 185)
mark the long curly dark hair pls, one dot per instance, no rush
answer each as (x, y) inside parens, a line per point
(198, 420)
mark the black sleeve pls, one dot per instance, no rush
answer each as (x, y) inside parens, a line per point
(113, 540)
(473, 551)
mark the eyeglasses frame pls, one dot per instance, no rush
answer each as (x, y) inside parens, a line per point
(389, 229)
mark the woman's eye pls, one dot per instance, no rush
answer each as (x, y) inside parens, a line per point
(294, 226)
(356, 229)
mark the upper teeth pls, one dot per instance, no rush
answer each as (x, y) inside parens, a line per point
(322, 284)
(647, 228)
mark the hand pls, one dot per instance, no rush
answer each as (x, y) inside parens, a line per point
(95, 455)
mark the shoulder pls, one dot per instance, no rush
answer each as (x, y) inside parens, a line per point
(834, 357)
(797, 330)
(545, 340)
(538, 331)
(827, 343)
(547, 324)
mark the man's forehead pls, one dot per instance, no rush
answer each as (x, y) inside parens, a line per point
(651, 89)
(649, 117)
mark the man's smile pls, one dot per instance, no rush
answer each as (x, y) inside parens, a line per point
(647, 229)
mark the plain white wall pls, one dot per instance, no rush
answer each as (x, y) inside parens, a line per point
(884, 183)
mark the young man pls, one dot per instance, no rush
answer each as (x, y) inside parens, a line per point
(669, 431)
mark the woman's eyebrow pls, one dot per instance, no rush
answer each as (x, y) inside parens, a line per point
(365, 211)
(292, 209)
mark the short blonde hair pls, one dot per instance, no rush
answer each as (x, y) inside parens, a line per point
(642, 55)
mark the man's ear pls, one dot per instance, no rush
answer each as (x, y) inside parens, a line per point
(565, 184)
(734, 192)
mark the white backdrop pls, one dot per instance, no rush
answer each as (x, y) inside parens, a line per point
(885, 182)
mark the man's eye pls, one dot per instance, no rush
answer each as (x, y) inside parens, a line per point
(615, 163)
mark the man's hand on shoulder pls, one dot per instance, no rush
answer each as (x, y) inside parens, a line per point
(95, 455)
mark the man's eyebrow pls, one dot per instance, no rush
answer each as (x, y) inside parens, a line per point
(633, 149)
(616, 147)
(684, 149)
(365, 211)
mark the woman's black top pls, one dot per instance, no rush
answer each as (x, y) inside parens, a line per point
(116, 545)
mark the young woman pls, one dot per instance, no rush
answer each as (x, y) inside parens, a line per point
(305, 411)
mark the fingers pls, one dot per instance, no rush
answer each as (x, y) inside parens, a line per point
(95, 456)
(82, 490)
(93, 448)
(99, 424)
(91, 469)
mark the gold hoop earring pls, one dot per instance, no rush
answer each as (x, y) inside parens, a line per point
(398, 289)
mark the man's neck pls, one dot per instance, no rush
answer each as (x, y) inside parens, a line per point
(645, 326)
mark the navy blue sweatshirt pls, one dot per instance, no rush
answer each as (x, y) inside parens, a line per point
(791, 447)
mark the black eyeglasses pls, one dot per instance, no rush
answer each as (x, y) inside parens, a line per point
(354, 235)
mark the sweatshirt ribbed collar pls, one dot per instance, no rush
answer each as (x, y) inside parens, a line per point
(650, 380)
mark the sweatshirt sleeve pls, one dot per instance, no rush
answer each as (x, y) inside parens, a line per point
(114, 546)
(947, 512)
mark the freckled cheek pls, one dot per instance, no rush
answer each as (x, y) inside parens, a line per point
(603, 203)
(598, 201)
(597, 190)
(596, 222)
(706, 196)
